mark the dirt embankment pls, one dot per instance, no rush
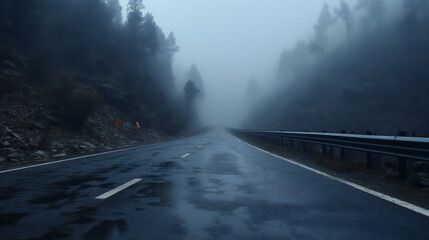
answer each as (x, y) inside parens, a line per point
(30, 132)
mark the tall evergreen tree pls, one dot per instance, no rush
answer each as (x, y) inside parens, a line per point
(325, 20)
(344, 12)
(374, 11)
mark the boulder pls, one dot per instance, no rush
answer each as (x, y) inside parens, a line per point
(41, 153)
(60, 155)
(421, 167)
(13, 134)
(38, 124)
(421, 180)
(88, 145)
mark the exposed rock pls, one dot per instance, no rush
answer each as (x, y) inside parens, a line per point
(52, 120)
(38, 124)
(24, 131)
(60, 155)
(13, 155)
(10, 72)
(41, 153)
(421, 180)
(10, 64)
(57, 145)
(88, 145)
(15, 160)
(421, 167)
(25, 146)
(2, 159)
(33, 143)
(16, 135)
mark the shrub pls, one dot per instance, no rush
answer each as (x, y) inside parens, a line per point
(73, 103)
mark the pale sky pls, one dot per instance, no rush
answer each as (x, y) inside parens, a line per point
(232, 40)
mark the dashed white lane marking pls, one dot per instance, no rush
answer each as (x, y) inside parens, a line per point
(118, 189)
(391, 199)
(199, 147)
(186, 155)
(92, 155)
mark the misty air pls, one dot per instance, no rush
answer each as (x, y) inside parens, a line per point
(228, 119)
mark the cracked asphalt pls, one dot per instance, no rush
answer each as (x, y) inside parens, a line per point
(210, 186)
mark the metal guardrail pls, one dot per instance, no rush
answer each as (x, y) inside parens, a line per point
(407, 149)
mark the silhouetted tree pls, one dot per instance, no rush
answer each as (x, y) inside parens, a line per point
(253, 91)
(191, 93)
(195, 77)
(294, 63)
(344, 12)
(135, 18)
(117, 11)
(374, 11)
(325, 20)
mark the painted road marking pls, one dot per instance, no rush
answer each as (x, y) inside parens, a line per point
(388, 198)
(186, 155)
(200, 147)
(92, 155)
(118, 189)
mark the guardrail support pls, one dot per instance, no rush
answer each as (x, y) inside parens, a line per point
(369, 160)
(403, 168)
(343, 154)
(324, 150)
(406, 150)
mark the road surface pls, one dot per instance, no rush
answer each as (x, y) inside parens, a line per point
(211, 186)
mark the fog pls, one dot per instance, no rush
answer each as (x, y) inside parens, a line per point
(232, 41)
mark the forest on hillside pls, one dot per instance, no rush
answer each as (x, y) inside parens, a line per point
(377, 80)
(79, 54)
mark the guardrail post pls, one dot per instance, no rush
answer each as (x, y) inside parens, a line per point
(324, 150)
(369, 160)
(343, 154)
(403, 168)
(406, 167)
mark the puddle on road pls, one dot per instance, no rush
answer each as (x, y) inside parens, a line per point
(154, 154)
(78, 180)
(9, 192)
(223, 164)
(159, 193)
(53, 234)
(55, 196)
(196, 220)
(107, 229)
(82, 215)
(167, 164)
(10, 218)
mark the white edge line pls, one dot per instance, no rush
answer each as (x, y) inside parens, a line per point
(391, 199)
(118, 189)
(187, 154)
(91, 155)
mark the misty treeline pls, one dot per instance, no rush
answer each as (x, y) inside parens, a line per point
(377, 80)
(82, 52)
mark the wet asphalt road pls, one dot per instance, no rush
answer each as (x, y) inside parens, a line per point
(223, 189)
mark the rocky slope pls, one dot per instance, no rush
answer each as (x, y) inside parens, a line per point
(30, 132)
